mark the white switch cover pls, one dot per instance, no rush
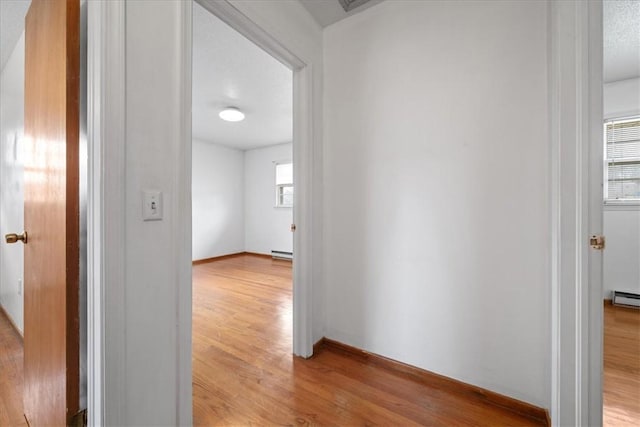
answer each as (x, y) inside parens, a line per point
(151, 205)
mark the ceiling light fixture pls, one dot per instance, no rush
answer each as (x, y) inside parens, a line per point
(231, 114)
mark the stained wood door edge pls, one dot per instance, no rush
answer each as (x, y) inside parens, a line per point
(423, 376)
(73, 207)
(4, 313)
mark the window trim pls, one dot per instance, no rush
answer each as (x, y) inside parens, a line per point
(277, 187)
(615, 204)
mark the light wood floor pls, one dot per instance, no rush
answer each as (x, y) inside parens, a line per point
(10, 375)
(621, 366)
(244, 373)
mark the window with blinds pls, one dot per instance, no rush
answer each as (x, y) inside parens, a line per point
(284, 184)
(622, 161)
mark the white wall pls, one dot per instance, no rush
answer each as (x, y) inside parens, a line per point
(218, 198)
(267, 228)
(436, 168)
(622, 253)
(621, 224)
(152, 385)
(11, 182)
(621, 98)
(233, 201)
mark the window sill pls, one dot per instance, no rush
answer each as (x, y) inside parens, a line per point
(631, 206)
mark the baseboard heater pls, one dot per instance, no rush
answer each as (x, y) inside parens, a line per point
(282, 255)
(626, 299)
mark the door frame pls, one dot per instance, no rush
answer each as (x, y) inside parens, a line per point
(576, 278)
(302, 162)
(106, 262)
(575, 93)
(105, 211)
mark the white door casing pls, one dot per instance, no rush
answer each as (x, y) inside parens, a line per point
(302, 164)
(575, 30)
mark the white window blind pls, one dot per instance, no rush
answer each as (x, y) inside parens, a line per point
(284, 184)
(622, 160)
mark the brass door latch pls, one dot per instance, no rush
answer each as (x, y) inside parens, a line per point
(13, 238)
(597, 242)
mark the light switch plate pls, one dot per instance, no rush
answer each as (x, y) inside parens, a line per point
(151, 205)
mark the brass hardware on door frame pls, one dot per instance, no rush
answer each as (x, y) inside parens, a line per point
(13, 237)
(293, 228)
(597, 242)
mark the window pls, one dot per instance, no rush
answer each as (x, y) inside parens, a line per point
(284, 184)
(622, 161)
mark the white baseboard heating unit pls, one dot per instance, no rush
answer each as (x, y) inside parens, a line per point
(626, 299)
(282, 255)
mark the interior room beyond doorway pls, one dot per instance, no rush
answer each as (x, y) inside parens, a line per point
(242, 193)
(242, 212)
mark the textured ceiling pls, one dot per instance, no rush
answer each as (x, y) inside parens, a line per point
(621, 39)
(327, 12)
(229, 70)
(621, 60)
(12, 13)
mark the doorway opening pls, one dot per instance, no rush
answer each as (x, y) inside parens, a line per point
(243, 198)
(621, 213)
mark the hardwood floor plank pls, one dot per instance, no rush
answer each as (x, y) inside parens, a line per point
(11, 413)
(621, 382)
(244, 371)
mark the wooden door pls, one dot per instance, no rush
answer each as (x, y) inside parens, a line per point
(51, 212)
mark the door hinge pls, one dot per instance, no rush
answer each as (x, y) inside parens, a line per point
(293, 228)
(597, 242)
(79, 419)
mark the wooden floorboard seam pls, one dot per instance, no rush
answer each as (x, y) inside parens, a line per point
(244, 372)
(451, 385)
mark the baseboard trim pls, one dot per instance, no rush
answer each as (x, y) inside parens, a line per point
(13, 325)
(217, 258)
(259, 255)
(435, 380)
(318, 346)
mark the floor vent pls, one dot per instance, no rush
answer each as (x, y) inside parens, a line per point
(626, 299)
(282, 255)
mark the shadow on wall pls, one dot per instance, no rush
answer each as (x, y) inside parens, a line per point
(12, 182)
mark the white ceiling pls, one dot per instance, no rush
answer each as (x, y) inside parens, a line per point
(229, 70)
(327, 12)
(12, 13)
(621, 21)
